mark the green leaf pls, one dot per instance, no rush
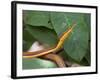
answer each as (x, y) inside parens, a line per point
(27, 36)
(37, 63)
(37, 18)
(59, 22)
(87, 18)
(43, 35)
(26, 45)
(28, 40)
(77, 44)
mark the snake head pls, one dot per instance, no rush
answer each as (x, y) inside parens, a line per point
(71, 27)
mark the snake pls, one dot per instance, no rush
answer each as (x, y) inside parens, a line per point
(50, 52)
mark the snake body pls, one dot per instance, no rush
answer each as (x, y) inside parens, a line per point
(50, 50)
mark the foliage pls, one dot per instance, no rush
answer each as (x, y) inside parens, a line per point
(47, 27)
